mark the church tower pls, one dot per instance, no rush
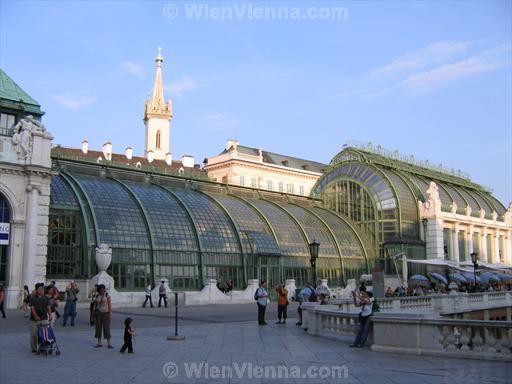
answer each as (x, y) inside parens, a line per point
(157, 117)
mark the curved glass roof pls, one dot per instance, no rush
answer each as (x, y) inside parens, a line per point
(289, 235)
(214, 227)
(119, 220)
(254, 231)
(314, 228)
(62, 194)
(452, 187)
(344, 234)
(168, 220)
(172, 225)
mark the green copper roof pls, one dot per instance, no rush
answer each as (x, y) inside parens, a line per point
(13, 96)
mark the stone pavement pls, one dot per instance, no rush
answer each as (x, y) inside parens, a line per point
(242, 347)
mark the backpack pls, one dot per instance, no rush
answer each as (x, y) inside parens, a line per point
(256, 296)
(375, 306)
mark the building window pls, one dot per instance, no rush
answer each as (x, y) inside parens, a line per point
(281, 186)
(254, 182)
(462, 247)
(241, 180)
(6, 123)
(301, 190)
(290, 188)
(158, 140)
(269, 185)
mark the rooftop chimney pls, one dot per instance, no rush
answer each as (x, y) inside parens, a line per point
(128, 152)
(150, 156)
(107, 150)
(168, 158)
(232, 143)
(85, 147)
(188, 161)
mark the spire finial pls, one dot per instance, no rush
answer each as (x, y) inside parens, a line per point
(159, 59)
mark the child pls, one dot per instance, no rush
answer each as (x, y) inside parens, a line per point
(129, 332)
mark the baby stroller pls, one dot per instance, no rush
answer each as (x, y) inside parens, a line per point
(46, 342)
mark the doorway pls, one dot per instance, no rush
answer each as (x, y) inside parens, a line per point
(270, 271)
(4, 238)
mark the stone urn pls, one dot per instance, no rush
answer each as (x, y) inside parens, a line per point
(103, 257)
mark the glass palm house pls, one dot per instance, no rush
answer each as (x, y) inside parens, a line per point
(362, 211)
(190, 230)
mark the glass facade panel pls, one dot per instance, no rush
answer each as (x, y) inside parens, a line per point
(254, 231)
(169, 222)
(61, 193)
(119, 219)
(290, 238)
(475, 207)
(314, 229)
(457, 197)
(214, 227)
(65, 244)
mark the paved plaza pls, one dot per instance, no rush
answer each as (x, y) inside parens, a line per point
(232, 348)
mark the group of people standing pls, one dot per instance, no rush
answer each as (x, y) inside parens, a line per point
(309, 293)
(41, 306)
(262, 299)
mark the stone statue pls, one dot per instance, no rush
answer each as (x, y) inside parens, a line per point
(22, 138)
(432, 207)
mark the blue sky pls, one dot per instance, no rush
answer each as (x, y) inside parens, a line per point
(430, 79)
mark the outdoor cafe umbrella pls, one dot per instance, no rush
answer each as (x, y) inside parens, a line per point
(438, 277)
(505, 278)
(457, 277)
(419, 280)
(489, 277)
(471, 278)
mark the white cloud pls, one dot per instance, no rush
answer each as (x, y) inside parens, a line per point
(132, 69)
(444, 74)
(73, 101)
(183, 86)
(414, 73)
(434, 54)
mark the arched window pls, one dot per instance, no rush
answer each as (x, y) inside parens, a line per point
(158, 140)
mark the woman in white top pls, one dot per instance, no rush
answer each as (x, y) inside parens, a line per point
(103, 315)
(365, 317)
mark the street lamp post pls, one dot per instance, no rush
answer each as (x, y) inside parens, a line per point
(313, 251)
(474, 259)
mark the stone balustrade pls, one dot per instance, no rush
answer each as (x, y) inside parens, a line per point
(490, 340)
(436, 304)
(327, 321)
(414, 334)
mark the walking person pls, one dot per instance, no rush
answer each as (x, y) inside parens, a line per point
(25, 301)
(366, 304)
(129, 333)
(70, 307)
(103, 314)
(282, 304)
(2, 296)
(261, 296)
(39, 311)
(162, 294)
(149, 289)
(93, 292)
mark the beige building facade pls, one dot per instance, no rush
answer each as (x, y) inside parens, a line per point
(259, 169)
